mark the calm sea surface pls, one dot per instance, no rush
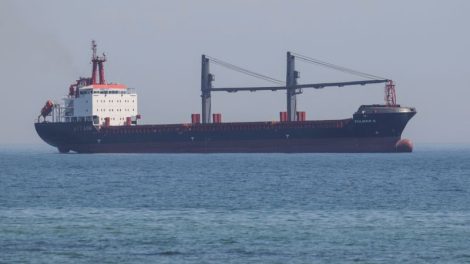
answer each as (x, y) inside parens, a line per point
(235, 208)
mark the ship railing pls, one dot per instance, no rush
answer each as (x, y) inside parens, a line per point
(57, 115)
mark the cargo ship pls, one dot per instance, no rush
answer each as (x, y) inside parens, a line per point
(101, 117)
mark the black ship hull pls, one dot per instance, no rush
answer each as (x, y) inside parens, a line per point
(372, 129)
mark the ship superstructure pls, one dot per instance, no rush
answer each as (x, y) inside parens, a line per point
(94, 100)
(102, 104)
(102, 117)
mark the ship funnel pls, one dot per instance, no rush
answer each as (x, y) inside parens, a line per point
(98, 65)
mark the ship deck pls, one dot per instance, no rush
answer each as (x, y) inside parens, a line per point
(230, 126)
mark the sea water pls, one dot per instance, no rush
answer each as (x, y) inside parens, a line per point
(235, 208)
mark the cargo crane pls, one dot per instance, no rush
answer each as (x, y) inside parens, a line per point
(290, 85)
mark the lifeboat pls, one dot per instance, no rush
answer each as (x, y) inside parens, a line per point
(47, 108)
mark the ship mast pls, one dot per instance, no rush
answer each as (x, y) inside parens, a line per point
(98, 64)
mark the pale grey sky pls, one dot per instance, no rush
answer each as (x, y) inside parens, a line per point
(155, 46)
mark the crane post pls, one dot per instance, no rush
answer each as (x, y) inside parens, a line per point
(390, 94)
(291, 82)
(206, 86)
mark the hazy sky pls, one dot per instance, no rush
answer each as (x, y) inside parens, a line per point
(155, 46)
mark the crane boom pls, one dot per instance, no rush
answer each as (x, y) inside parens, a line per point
(298, 86)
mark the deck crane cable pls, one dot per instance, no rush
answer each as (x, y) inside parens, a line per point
(244, 71)
(336, 67)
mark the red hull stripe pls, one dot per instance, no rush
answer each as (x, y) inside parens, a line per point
(332, 145)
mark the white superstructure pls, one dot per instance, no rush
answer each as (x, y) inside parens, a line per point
(104, 104)
(94, 100)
